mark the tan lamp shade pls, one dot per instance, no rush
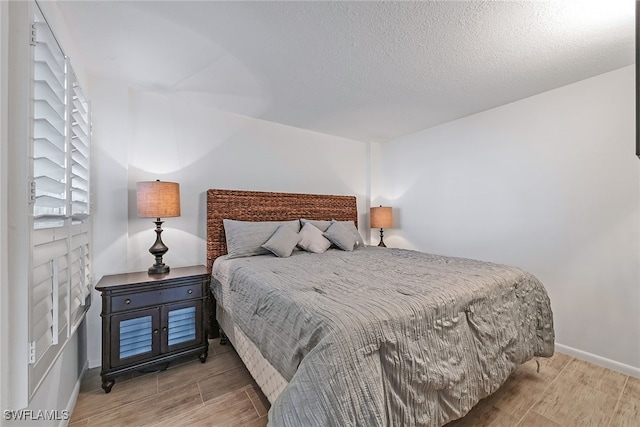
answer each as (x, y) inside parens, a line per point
(381, 217)
(158, 199)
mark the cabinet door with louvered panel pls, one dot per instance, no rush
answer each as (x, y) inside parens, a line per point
(135, 337)
(181, 326)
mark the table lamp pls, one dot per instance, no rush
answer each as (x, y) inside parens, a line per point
(381, 217)
(158, 199)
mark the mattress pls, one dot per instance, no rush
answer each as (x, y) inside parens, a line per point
(384, 336)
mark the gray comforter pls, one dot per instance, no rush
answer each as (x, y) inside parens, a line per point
(386, 337)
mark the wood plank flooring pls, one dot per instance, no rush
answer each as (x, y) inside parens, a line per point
(220, 392)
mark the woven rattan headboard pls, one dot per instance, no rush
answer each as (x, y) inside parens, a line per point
(264, 206)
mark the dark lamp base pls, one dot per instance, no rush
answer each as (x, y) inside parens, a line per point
(158, 250)
(381, 244)
(158, 269)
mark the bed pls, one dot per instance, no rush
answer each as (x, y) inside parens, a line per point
(371, 336)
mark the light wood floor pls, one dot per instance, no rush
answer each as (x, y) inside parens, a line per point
(220, 392)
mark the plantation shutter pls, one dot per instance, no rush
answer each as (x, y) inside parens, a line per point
(61, 280)
(80, 275)
(48, 300)
(49, 129)
(80, 151)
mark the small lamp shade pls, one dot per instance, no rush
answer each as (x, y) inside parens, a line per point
(158, 199)
(381, 217)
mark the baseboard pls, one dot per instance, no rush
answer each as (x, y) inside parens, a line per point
(600, 361)
(95, 363)
(74, 396)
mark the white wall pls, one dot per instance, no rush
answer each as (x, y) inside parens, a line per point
(142, 136)
(550, 184)
(4, 187)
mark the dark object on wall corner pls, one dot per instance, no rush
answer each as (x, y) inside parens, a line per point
(637, 78)
(158, 199)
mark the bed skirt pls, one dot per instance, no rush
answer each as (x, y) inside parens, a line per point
(265, 375)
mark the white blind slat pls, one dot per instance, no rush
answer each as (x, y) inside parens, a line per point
(44, 166)
(78, 156)
(78, 93)
(49, 185)
(48, 202)
(50, 125)
(80, 210)
(42, 128)
(80, 187)
(43, 327)
(45, 221)
(53, 113)
(43, 74)
(41, 273)
(43, 92)
(80, 118)
(45, 78)
(50, 91)
(79, 195)
(45, 55)
(46, 252)
(78, 170)
(43, 147)
(44, 35)
(43, 342)
(40, 293)
(44, 305)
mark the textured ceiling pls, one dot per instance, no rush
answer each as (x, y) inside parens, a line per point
(371, 71)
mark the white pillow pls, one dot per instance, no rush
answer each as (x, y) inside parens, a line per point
(282, 242)
(312, 240)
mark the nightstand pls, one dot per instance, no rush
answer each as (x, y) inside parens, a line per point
(150, 320)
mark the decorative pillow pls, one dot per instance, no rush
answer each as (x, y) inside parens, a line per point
(350, 225)
(340, 236)
(282, 242)
(319, 224)
(245, 238)
(312, 239)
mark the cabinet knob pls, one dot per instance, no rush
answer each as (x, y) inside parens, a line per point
(127, 301)
(155, 331)
(164, 329)
(190, 291)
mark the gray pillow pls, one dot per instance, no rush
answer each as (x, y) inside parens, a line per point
(340, 236)
(319, 224)
(245, 238)
(312, 239)
(350, 225)
(282, 242)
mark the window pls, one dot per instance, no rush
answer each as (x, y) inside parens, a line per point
(60, 278)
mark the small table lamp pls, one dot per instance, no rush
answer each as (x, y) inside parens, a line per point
(158, 199)
(381, 217)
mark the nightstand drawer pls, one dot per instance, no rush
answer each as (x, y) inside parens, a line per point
(158, 297)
